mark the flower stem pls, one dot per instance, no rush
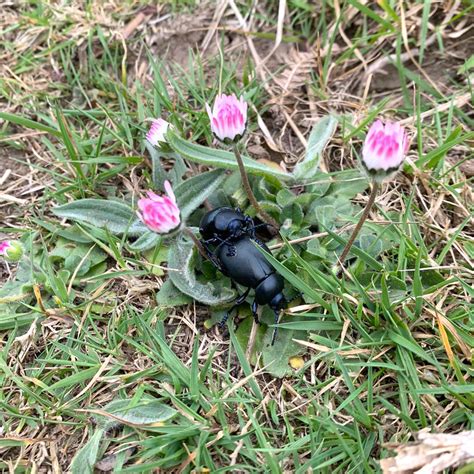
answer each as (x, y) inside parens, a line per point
(253, 201)
(365, 214)
(197, 243)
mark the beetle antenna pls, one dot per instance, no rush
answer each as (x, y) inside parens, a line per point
(298, 295)
(277, 318)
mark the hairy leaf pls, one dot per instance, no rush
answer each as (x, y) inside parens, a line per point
(277, 357)
(146, 241)
(322, 132)
(144, 413)
(220, 158)
(170, 296)
(115, 216)
(84, 460)
(183, 276)
(190, 194)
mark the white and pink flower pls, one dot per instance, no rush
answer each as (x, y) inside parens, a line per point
(4, 246)
(157, 132)
(384, 148)
(11, 250)
(228, 117)
(160, 213)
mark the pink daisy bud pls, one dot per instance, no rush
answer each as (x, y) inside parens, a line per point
(384, 148)
(228, 117)
(156, 134)
(159, 213)
(11, 250)
(4, 246)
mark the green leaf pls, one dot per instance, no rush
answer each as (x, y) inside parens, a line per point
(367, 11)
(14, 290)
(146, 241)
(175, 174)
(311, 324)
(348, 183)
(322, 132)
(284, 197)
(220, 158)
(190, 194)
(330, 211)
(467, 66)
(370, 242)
(433, 156)
(242, 335)
(277, 357)
(295, 280)
(27, 123)
(369, 260)
(9, 319)
(170, 296)
(70, 144)
(84, 460)
(294, 212)
(157, 257)
(147, 412)
(117, 217)
(314, 247)
(180, 261)
(159, 175)
(412, 346)
(319, 186)
(13, 443)
(75, 254)
(244, 364)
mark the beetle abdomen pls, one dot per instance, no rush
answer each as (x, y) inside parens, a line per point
(268, 288)
(244, 264)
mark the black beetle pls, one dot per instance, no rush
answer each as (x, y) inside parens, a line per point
(228, 237)
(225, 224)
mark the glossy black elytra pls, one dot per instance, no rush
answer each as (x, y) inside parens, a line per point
(228, 237)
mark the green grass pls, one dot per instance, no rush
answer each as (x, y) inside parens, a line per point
(387, 343)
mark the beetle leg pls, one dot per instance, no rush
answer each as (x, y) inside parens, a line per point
(298, 295)
(262, 225)
(249, 226)
(211, 255)
(231, 248)
(254, 311)
(277, 318)
(239, 300)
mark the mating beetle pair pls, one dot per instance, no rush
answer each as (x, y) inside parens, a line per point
(228, 236)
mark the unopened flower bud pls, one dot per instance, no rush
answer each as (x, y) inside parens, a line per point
(384, 149)
(228, 117)
(160, 213)
(156, 136)
(12, 250)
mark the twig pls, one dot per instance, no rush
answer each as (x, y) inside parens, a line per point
(298, 241)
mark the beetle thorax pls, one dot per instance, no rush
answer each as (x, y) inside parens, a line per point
(235, 227)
